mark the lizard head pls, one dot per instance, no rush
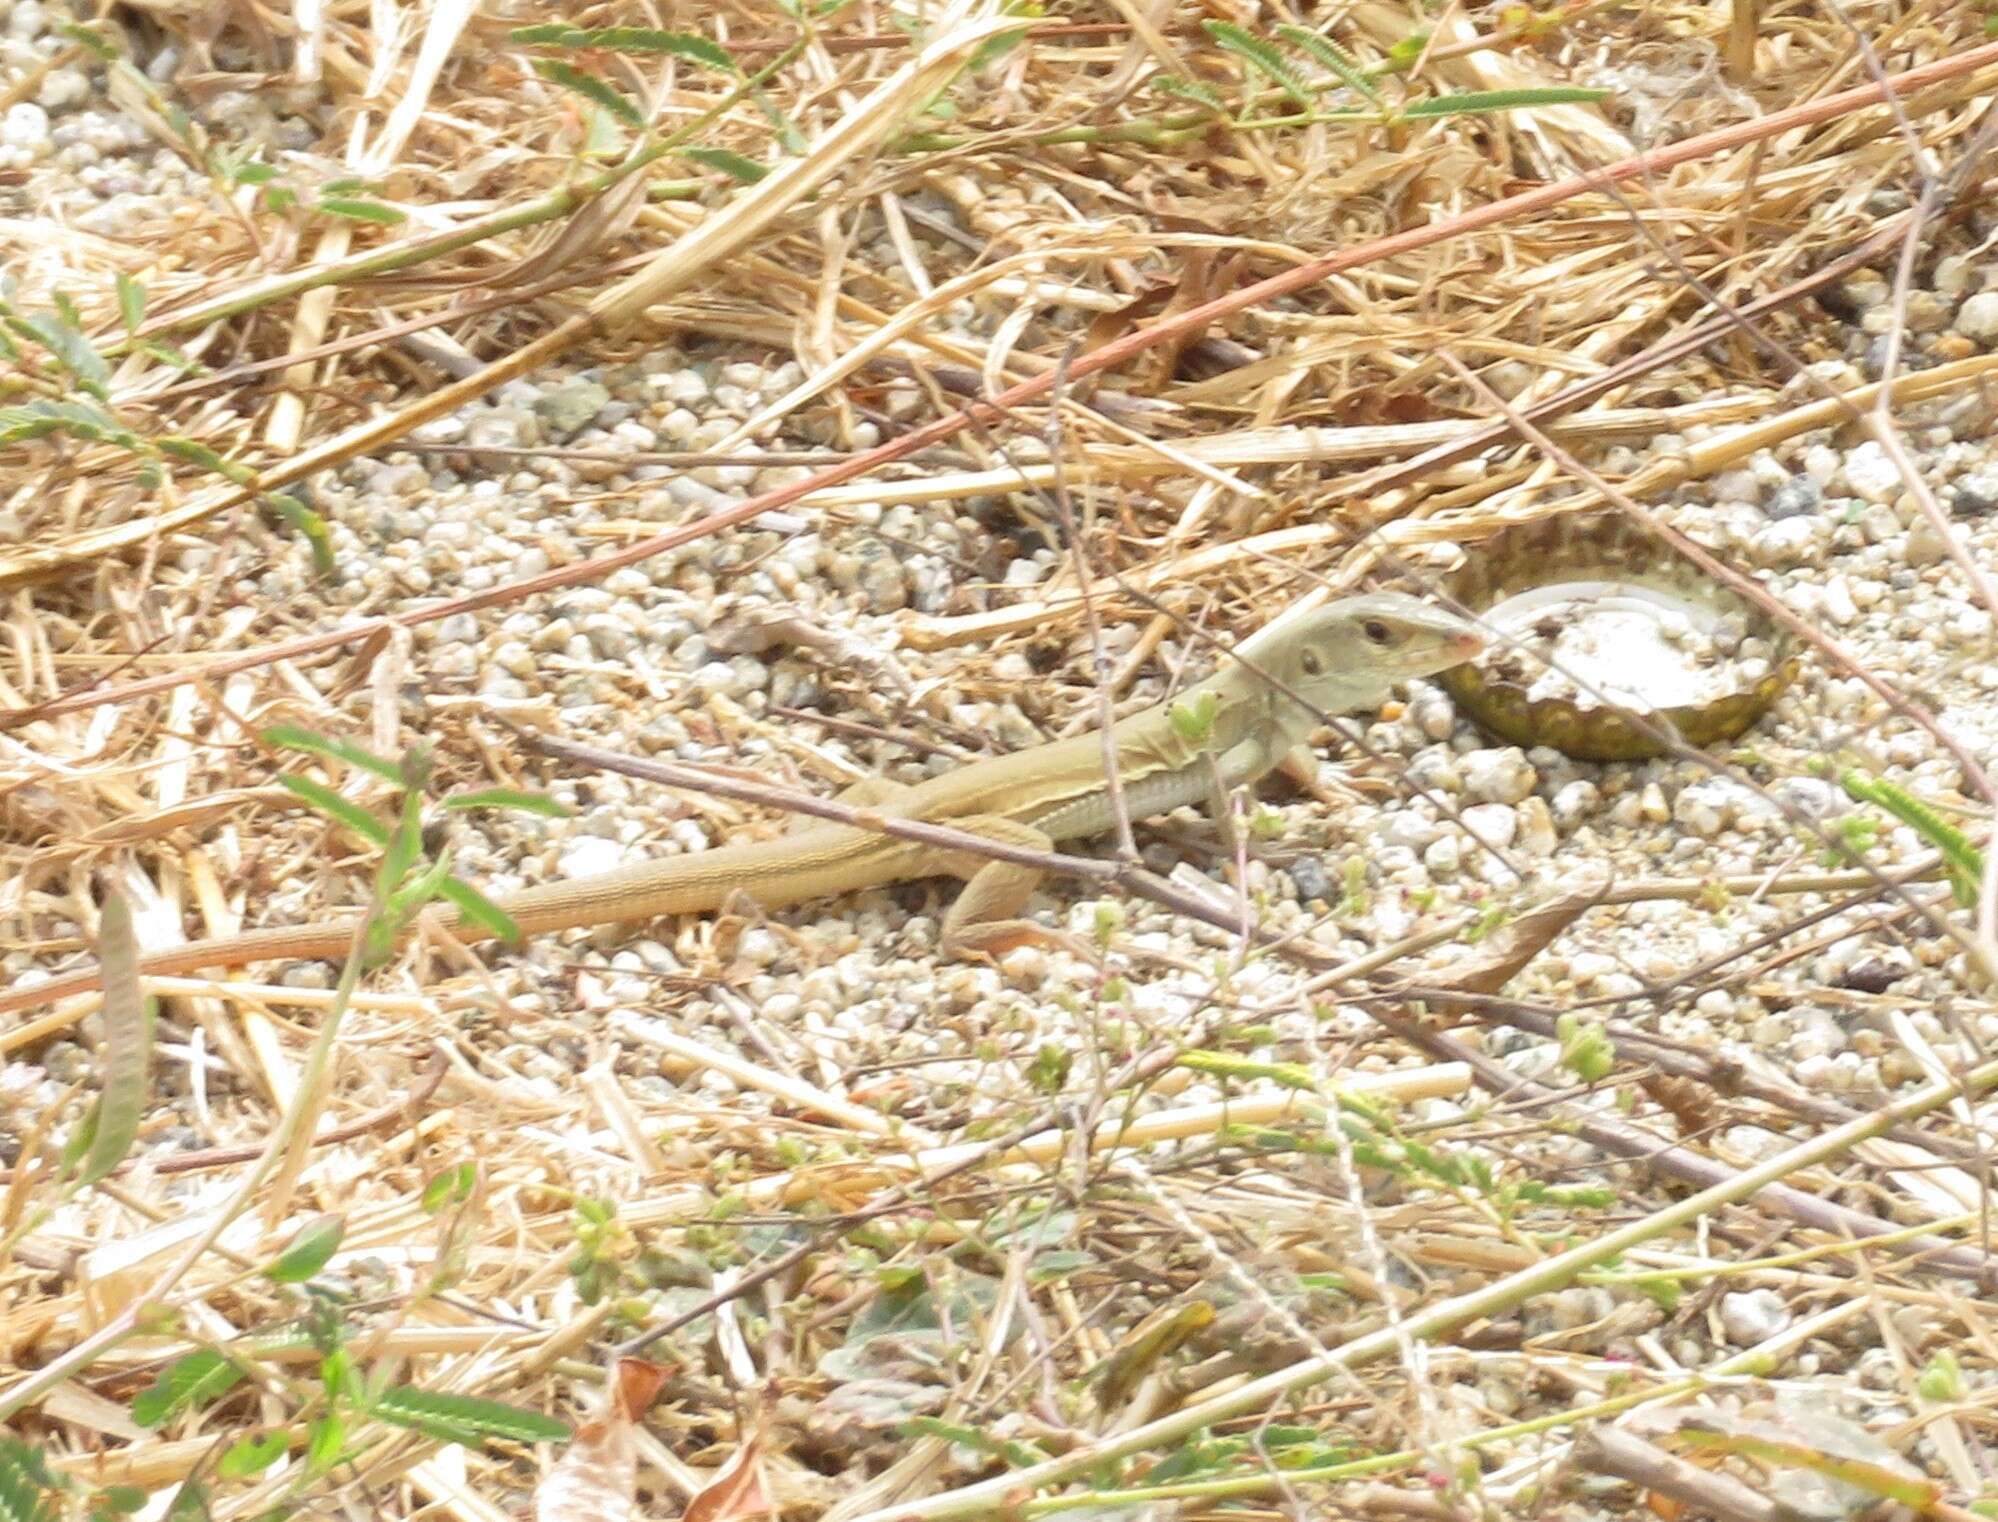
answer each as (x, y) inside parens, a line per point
(1347, 654)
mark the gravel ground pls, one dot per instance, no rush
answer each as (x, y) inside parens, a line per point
(673, 658)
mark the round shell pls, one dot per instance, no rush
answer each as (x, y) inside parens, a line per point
(1597, 548)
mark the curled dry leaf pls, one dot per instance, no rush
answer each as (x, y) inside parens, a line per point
(596, 1476)
(738, 1488)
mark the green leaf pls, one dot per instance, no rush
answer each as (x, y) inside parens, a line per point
(189, 1504)
(309, 1250)
(90, 38)
(729, 162)
(1402, 56)
(325, 1438)
(1335, 59)
(200, 1377)
(251, 1456)
(645, 39)
(451, 1187)
(551, 34)
(630, 39)
(25, 1483)
(464, 1419)
(131, 301)
(303, 521)
(419, 890)
(480, 910)
(291, 737)
(1200, 93)
(1261, 57)
(1486, 102)
(508, 798)
(39, 418)
(338, 809)
(128, 1045)
(280, 198)
(118, 1500)
(405, 847)
(71, 350)
(250, 172)
(361, 211)
(197, 453)
(591, 88)
(1962, 860)
(1192, 718)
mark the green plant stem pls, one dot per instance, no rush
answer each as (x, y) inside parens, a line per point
(1006, 1492)
(1746, 1363)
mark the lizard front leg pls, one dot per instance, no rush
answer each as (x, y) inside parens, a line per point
(986, 919)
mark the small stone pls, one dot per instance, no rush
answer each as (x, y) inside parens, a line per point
(1871, 475)
(1926, 312)
(1925, 546)
(1954, 274)
(1581, 1305)
(26, 125)
(1975, 494)
(1407, 827)
(1587, 967)
(1791, 541)
(1435, 769)
(1444, 857)
(1492, 824)
(1798, 497)
(1879, 523)
(1736, 486)
(1861, 291)
(1753, 1316)
(1307, 874)
(1977, 318)
(1807, 797)
(1434, 716)
(1574, 802)
(1537, 835)
(1838, 604)
(1499, 775)
(588, 855)
(571, 406)
(1702, 809)
(1651, 805)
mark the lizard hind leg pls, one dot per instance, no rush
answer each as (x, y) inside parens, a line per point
(867, 793)
(987, 918)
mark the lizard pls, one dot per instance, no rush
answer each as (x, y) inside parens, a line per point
(1226, 731)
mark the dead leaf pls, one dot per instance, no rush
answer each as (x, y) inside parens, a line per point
(597, 1475)
(738, 1488)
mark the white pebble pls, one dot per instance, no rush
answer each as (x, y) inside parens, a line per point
(1493, 824)
(1537, 835)
(1870, 474)
(1576, 801)
(1977, 318)
(588, 855)
(1498, 776)
(1444, 856)
(1753, 1316)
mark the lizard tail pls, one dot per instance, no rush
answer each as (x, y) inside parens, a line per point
(328, 939)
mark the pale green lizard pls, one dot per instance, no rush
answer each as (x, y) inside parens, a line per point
(1225, 731)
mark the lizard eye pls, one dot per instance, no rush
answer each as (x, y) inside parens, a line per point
(1312, 663)
(1375, 630)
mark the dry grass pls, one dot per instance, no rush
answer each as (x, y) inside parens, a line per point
(1226, 453)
